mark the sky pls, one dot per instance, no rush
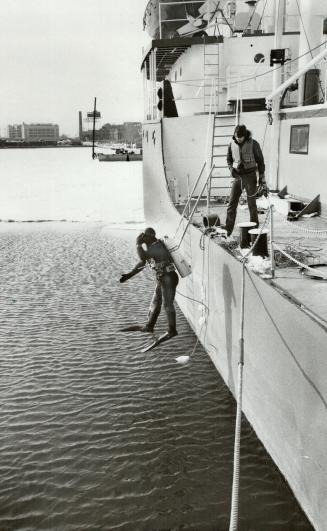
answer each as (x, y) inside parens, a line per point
(57, 55)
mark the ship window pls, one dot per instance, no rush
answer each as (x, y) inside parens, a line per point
(299, 141)
(325, 27)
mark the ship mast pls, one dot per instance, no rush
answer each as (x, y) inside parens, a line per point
(277, 73)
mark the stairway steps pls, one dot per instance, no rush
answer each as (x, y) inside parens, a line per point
(224, 125)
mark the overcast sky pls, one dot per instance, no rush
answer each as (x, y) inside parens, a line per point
(57, 55)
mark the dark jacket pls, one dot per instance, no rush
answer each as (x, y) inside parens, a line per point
(257, 153)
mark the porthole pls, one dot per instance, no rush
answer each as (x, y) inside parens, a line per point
(259, 58)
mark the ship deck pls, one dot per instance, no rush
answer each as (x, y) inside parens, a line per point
(301, 239)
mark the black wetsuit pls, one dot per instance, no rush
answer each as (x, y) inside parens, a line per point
(167, 279)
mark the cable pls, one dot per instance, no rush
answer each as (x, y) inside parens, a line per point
(263, 12)
(251, 17)
(194, 300)
(267, 72)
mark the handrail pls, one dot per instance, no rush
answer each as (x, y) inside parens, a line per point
(190, 198)
(194, 208)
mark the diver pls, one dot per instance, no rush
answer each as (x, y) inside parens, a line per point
(157, 255)
(244, 159)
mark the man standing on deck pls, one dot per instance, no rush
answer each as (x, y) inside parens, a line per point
(158, 256)
(244, 159)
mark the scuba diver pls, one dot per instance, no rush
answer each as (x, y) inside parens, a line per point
(157, 254)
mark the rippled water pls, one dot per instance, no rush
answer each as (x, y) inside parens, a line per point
(95, 435)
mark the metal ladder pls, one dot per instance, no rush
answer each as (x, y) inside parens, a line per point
(210, 77)
(223, 129)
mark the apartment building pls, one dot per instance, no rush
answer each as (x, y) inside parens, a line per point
(36, 132)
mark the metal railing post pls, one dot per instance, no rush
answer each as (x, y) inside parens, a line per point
(272, 257)
(188, 193)
(192, 213)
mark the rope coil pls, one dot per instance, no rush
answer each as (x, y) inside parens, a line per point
(316, 272)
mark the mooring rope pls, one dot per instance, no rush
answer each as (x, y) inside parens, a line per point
(317, 232)
(316, 272)
(238, 424)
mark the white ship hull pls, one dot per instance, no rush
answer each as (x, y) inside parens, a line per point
(285, 384)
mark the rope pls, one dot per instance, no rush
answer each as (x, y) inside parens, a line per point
(316, 272)
(194, 300)
(298, 252)
(267, 72)
(238, 423)
(238, 426)
(317, 232)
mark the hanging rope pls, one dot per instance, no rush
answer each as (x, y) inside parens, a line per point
(238, 426)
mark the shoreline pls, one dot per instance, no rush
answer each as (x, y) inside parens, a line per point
(43, 146)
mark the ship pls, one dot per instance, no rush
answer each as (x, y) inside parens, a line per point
(208, 67)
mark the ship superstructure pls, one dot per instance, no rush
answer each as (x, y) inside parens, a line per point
(210, 66)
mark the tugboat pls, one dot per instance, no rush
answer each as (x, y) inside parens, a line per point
(210, 66)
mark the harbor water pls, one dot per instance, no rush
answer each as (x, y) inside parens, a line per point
(95, 435)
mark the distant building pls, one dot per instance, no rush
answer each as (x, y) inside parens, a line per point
(15, 132)
(128, 133)
(36, 132)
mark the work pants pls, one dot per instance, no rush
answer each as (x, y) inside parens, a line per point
(164, 291)
(249, 182)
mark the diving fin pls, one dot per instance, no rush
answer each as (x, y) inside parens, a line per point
(161, 339)
(131, 328)
(135, 328)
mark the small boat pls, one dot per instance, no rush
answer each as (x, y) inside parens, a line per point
(106, 157)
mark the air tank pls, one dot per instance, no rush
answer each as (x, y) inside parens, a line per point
(180, 262)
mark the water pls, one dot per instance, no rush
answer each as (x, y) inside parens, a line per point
(95, 435)
(66, 184)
